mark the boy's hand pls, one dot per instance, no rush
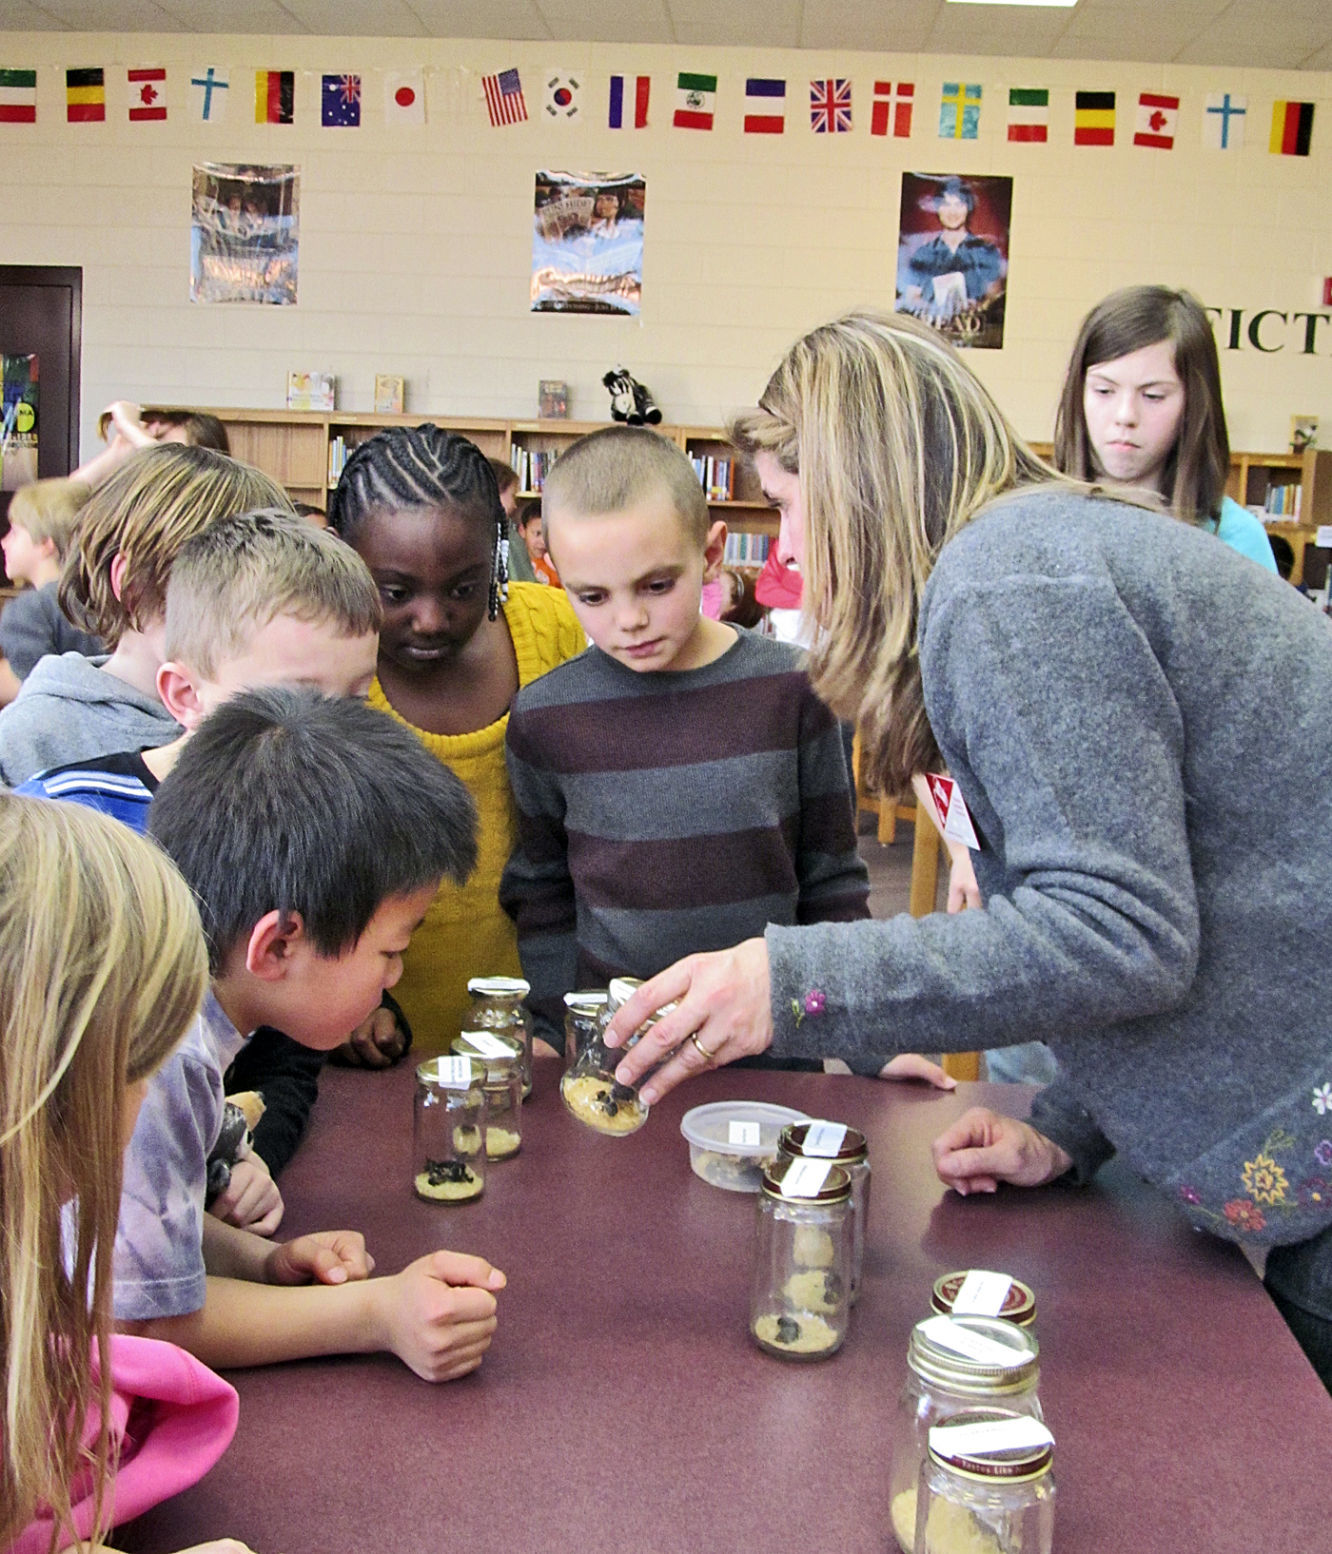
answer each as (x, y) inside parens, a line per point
(252, 1200)
(376, 1043)
(963, 891)
(438, 1314)
(982, 1149)
(324, 1257)
(910, 1065)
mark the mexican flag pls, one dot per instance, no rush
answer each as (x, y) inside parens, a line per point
(695, 100)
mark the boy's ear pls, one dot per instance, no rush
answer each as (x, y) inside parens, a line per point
(118, 564)
(268, 952)
(714, 551)
(179, 693)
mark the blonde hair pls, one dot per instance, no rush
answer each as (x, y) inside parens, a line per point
(145, 512)
(229, 582)
(898, 446)
(610, 470)
(102, 967)
(49, 510)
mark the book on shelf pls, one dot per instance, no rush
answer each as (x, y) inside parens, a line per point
(337, 457)
(531, 465)
(553, 399)
(310, 390)
(389, 394)
(716, 476)
(746, 550)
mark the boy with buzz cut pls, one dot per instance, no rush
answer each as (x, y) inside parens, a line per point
(313, 832)
(679, 785)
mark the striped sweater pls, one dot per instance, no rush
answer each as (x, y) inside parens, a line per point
(666, 813)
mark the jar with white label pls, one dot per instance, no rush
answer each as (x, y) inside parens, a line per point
(583, 1013)
(590, 1089)
(497, 1005)
(955, 1364)
(503, 1060)
(846, 1147)
(449, 1130)
(800, 1300)
(977, 1292)
(986, 1484)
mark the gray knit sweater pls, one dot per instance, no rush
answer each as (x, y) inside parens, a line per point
(1140, 722)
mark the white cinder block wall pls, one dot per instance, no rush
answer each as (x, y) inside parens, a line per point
(416, 241)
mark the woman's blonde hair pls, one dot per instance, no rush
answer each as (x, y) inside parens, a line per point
(102, 967)
(145, 512)
(49, 510)
(897, 445)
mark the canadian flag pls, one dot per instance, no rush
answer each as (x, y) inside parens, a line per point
(1158, 118)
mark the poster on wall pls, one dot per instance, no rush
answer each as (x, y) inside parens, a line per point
(18, 422)
(587, 243)
(952, 255)
(244, 234)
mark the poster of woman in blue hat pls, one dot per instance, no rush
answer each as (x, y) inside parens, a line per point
(952, 255)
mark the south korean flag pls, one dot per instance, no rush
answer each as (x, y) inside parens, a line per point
(563, 95)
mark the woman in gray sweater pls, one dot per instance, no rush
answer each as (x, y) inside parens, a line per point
(1136, 721)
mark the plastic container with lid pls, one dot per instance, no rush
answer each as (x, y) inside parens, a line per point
(977, 1292)
(800, 1297)
(449, 1130)
(582, 1021)
(955, 1364)
(731, 1143)
(502, 1056)
(986, 1486)
(822, 1140)
(497, 1005)
(590, 1089)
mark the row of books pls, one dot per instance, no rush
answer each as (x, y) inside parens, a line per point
(532, 465)
(717, 476)
(1282, 501)
(337, 457)
(747, 550)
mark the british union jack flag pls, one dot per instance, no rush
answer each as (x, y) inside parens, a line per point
(830, 106)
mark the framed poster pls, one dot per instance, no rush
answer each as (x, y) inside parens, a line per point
(952, 255)
(587, 243)
(245, 234)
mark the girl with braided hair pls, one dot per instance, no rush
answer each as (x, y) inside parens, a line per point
(422, 508)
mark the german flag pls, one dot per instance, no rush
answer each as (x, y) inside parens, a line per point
(1292, 129)
(85, 96)
(274, 96)
(1094, 119)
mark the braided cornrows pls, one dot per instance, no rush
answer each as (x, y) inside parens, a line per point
(423, 466)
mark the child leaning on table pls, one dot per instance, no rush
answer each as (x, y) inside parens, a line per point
(314, 831)
(679, 783)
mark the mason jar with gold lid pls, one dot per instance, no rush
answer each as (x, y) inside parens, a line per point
(497, 1005)
(583, 1013)
(449, 1130)
(846, 1147)
(977, 1292)
(800, 1299)
(502, 1056)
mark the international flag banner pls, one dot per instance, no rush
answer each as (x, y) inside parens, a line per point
(891, 113)
(1223, 121)
(340, 99)
(695, 101)
(628, 106)
(1158, 119)
(959, 110)
(1292, 129)
(208, 93)
(1093, 118)
(830, 106)
(274, 96)
(404, 97)
(85, 96)
(504, 98)
(147, 95)
(765, 106)
(563, 94)
(18, 96)
(1029, 114)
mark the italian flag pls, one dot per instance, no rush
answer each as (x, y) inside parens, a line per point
(696, 97)
(18, 97)
(1029, 113)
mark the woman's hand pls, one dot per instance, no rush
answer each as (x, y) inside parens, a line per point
(724, 1012)
(982, 1149)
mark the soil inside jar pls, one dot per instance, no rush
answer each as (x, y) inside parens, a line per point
(448, 1181)
(951, 1529)
(501, 1142)
(805, 1333)
(601, 1104)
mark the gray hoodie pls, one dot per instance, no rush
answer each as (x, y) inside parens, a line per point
(69, 710)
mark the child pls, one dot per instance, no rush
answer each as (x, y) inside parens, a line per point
(258, 599)
(313, 832)
(102, 968)
(518, 563)
(1141, 409)
(420, 506)
(679, 785)
(114, 583)
(533, 536)
(42, 520)
(126, 429)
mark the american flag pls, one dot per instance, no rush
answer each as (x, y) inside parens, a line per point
(504, 98)
(830, 106)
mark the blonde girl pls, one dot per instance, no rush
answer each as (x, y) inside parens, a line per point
(102, 967)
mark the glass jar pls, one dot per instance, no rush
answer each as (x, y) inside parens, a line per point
(448, 1133)
(503, 1060)
(582, 1021)
(955, 1364)
(590, 1089)
(976, 1292)
(986, 1484)
(497, 1005)
(819, 1140)
(800, 1298)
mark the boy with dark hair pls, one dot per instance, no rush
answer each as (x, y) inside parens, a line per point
(314, 832)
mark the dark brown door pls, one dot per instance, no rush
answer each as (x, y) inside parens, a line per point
(41, 314)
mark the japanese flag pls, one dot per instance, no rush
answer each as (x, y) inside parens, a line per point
(404, 97)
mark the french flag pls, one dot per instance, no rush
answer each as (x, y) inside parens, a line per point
(639, 86)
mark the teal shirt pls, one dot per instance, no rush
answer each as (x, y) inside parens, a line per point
(1238, 528)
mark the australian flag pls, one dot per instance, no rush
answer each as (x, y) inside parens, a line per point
(341, 102)
(830, 106)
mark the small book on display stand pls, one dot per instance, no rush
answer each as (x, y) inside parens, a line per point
(310, 390)
(388, 394)
(553, 400)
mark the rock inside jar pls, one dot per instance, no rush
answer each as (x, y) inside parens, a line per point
(448, 1181)
(796, 1333)
(601, 1104)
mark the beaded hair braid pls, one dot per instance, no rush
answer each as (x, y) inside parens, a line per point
(421, 466)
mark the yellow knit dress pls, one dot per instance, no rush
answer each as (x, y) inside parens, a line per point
(466, 933)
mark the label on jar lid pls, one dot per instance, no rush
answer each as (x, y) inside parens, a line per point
(989, 1436)
(949, 1334)
(746, 1134)
(804, 1178)
(454, 1073)
(981, 1294)
(824, 1139)
(488, 1045)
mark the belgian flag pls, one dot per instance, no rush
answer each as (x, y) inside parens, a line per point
(274, 96)
(1292, 129)
(85, 96)
(1093, 118)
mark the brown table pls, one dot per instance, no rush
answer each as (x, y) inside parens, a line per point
(623, 1407)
